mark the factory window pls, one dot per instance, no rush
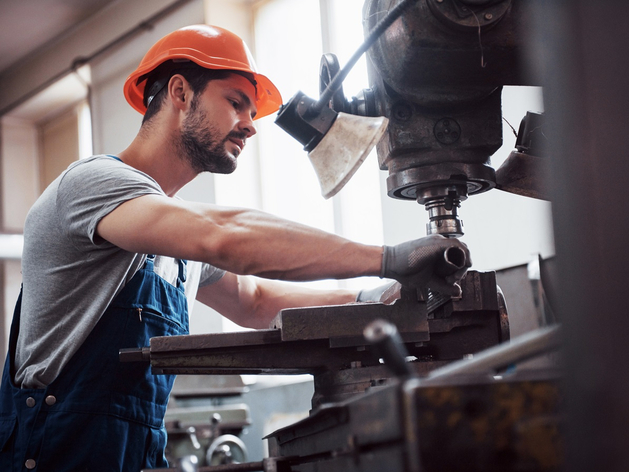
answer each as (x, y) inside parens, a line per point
(288, 184)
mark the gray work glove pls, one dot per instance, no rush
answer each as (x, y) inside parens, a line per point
(435, 262)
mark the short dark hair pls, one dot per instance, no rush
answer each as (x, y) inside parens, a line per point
(197, 76)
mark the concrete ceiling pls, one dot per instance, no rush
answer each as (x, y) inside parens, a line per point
(27, 25)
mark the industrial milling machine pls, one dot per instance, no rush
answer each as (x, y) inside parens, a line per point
(420, 381)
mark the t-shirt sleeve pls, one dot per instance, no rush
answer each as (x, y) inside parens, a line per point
(90, 190)
(210, 275)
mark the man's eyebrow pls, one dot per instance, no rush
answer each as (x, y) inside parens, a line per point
(245, 98)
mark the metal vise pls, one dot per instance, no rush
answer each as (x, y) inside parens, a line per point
(328, 342)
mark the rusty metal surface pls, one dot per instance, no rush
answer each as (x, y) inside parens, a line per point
(341, 321)
(500, 427)
(430, 52)
(244, 467)
(480, 292)
(341, 385)
(501, 357)
(467, 424)
(328, 342)
(437, 74)
(208, 341)
(311, 340)
(296, 357)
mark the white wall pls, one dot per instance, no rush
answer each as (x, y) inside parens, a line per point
(20, 184)
(59, 138)
(20, 188)
(55, 58)
(243, 187)
(115, 123)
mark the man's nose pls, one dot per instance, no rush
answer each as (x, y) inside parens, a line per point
(247, 126)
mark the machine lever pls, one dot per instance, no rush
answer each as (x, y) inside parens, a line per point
(188, 464)
(387, 344)
(135, 354)
(192, 433)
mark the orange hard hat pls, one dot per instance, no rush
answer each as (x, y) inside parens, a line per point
(210, 47)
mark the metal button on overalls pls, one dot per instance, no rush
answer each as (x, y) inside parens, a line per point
(117, 408)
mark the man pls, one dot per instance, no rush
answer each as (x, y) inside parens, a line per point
(92, 285)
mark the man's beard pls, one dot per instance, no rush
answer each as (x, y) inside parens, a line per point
(200, 146)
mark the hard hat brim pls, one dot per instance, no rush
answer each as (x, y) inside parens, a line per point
(268, 97)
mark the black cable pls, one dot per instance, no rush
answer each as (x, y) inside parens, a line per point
(380, 28)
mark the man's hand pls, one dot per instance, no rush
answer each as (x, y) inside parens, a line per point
(435, 262)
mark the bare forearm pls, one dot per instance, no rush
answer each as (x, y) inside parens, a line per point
(276, 298)
(237, 240)
(259, 244)
(253, 302)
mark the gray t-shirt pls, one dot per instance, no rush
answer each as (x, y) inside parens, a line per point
(70, 275)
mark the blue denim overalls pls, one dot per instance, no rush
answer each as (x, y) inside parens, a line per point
(98, 414)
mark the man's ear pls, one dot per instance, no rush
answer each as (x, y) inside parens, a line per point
(179, 92)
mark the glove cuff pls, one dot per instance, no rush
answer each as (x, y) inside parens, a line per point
(385, 255)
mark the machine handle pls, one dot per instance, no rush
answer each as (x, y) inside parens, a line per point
(135, 354)
(387, 344)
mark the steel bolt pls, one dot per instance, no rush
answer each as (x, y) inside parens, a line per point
(447, 131)
(402, 111)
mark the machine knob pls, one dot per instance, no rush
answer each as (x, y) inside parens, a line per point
(188, 464)
(226, 449)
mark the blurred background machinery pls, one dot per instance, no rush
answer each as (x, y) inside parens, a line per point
(198, 424)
